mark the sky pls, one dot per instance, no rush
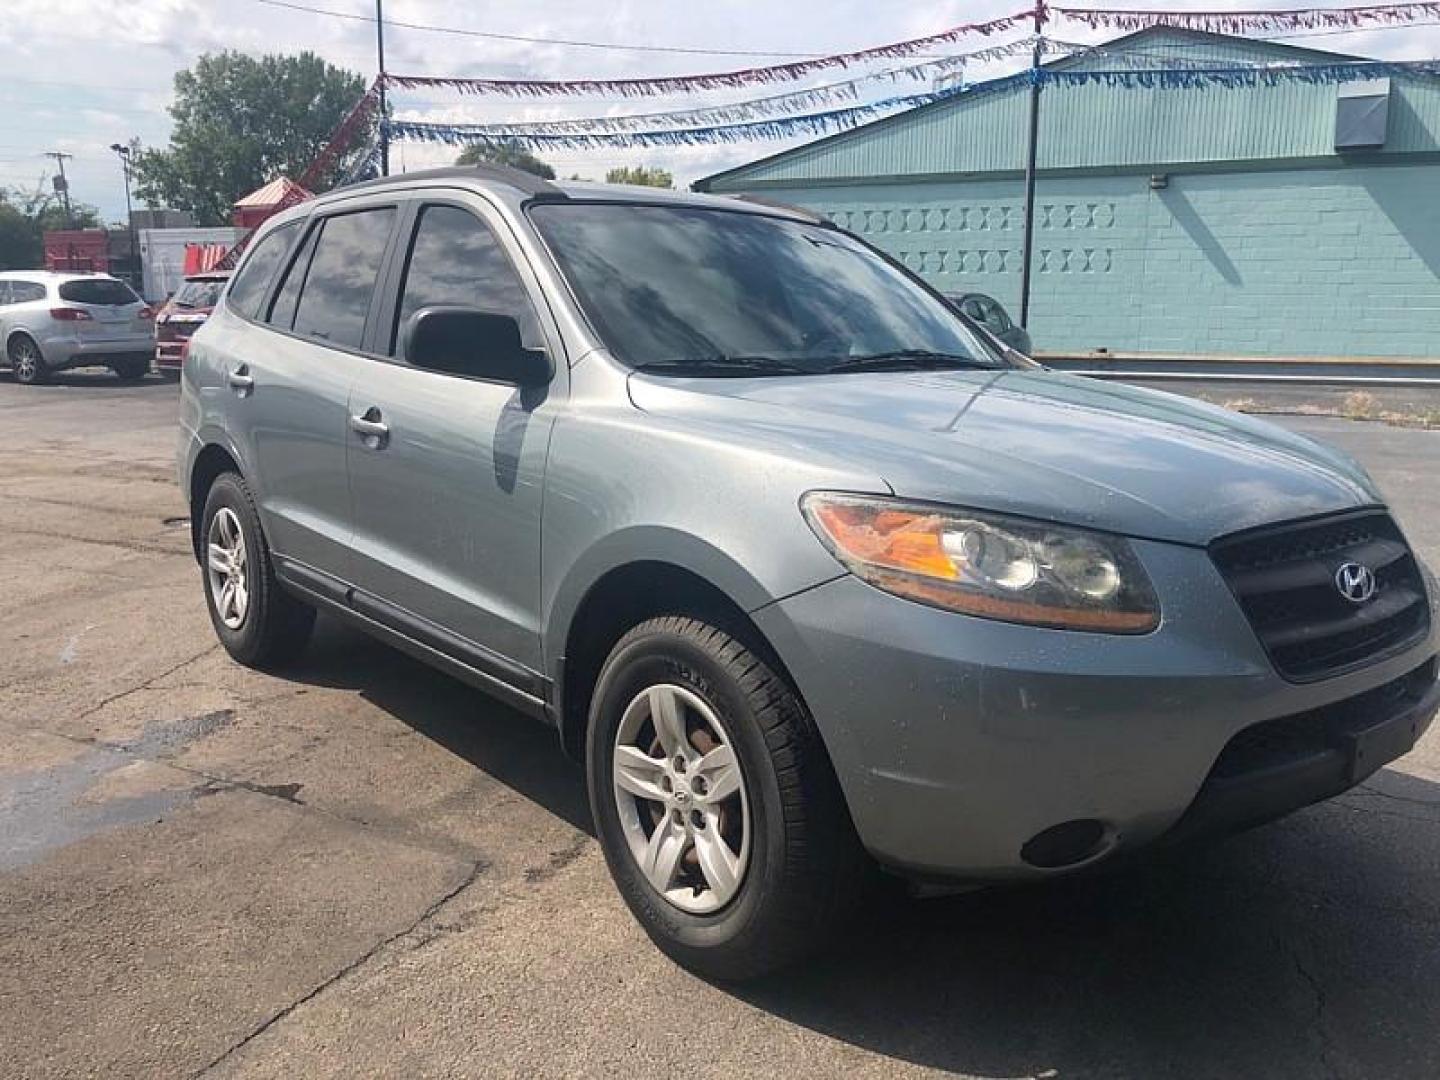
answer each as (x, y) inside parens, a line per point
(82, 74)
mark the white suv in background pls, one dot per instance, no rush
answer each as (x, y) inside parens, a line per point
(50, 322)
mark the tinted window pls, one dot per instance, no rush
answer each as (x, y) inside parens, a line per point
(106, 291)
(456, 259)
(342, 276)
(668, 286)
(253, 279)
(25, 292)
(282, 312)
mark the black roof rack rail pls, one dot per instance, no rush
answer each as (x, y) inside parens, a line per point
(528, 183)
(773, 204)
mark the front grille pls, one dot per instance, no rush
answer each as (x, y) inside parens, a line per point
(1284, 579)
(1289, 738)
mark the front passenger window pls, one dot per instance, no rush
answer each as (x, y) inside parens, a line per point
(456, 259)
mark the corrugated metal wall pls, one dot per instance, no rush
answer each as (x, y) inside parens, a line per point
(1100, 127)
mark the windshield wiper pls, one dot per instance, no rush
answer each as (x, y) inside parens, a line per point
(724, 366)
(911, 360)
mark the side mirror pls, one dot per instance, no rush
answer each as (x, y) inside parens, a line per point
(467, 341)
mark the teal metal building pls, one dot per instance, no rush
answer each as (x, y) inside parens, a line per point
(1293, 219)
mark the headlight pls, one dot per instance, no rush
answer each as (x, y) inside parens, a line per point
(985, 564)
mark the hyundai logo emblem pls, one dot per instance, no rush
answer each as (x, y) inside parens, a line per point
(1356, 582)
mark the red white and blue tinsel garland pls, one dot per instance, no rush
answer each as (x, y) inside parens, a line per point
(715, 80)
(1251, 21)
(788, 103)
(539, 136)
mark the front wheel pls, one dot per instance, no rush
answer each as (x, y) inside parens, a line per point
(715, 803)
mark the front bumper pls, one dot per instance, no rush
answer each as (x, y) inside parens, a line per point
(958, 740)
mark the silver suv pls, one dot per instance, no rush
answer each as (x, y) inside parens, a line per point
(812, 577)
(52, 322)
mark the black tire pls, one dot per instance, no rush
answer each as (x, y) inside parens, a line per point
(132, 368)
(26, 361)
(275, 626)
(806, 872)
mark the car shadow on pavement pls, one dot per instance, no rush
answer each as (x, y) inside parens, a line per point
(96, 378)
(1307, 947)
(1310, 945)
(515, 749)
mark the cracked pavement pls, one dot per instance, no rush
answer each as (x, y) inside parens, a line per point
(363, 867)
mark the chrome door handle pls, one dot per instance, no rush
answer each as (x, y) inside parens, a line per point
(370, 426)
(240, 379)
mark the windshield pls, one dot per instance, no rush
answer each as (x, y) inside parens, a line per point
(717, 291)
(198, 294)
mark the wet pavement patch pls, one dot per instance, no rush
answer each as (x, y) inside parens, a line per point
(44, 809)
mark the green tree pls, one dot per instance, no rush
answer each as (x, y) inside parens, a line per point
(25, 216)
(505, 153)
(642, 175)
(241, 121)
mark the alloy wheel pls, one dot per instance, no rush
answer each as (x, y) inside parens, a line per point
(25, 359)
(681, 795)
(225, 565)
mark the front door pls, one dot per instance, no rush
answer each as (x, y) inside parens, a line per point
(446, 471)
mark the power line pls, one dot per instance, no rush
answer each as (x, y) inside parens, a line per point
(579, 44)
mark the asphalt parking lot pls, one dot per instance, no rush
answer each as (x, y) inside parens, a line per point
(365, 868)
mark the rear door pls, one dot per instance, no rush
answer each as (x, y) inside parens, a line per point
(288, 384)
(447, 502)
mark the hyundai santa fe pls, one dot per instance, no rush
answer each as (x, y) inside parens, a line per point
(812, 576)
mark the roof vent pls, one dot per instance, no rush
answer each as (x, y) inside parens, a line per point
(1362, 112)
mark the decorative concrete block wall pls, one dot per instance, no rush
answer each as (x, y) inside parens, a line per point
(1327, 261)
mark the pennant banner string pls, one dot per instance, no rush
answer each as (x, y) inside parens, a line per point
(843, 119)
(718, 80)
(1252, 21)
(758, 108)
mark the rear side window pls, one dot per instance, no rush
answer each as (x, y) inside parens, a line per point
(282, 310)
(103, 291)
(250, 284)
(336, 296)
(26, 292)
(456, 259)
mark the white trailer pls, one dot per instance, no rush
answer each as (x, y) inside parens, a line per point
(162, 255)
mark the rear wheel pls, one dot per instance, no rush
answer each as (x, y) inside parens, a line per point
(26, 361)
(131, 367)
(259, 624)
(715, 803)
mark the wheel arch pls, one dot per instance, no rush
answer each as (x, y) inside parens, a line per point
(621, 597)
(213, 460)
(21, 332)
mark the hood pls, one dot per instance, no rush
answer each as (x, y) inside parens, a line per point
(1039, 443)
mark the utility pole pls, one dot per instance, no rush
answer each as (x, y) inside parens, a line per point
(1027, 252)
(134, 260)
(384, 110)
(62, 185)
